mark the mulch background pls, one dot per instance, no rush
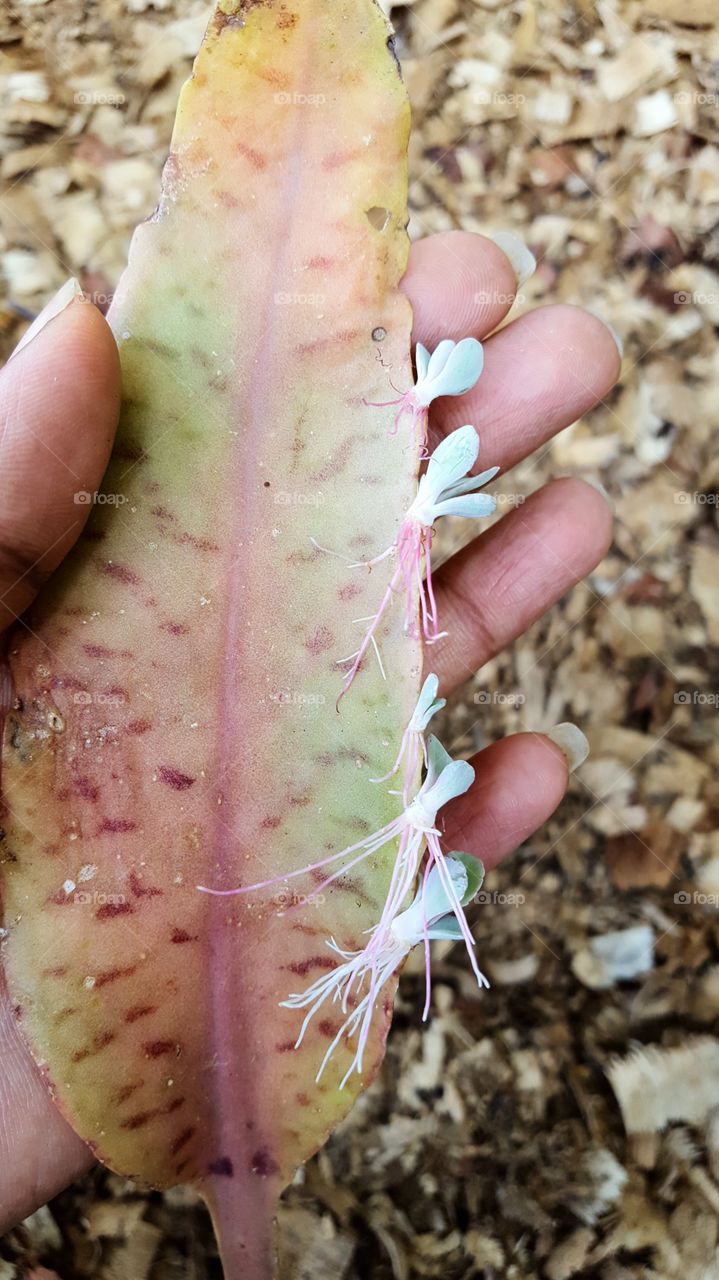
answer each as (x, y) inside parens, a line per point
(567, 1123)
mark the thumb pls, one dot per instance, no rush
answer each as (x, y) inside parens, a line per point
(59, 406)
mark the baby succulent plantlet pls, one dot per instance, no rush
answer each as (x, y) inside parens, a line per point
(434, 914)
(174, 722)
(444, 490)
(413, 748)
(433, 917)
(452, 369)
(419, 851)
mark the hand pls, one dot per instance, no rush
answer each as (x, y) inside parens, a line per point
(59, 405)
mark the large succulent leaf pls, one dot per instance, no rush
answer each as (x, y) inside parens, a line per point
(175, 721)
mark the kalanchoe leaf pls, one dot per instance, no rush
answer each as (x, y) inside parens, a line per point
(421, 358)
(451, 460)
(413, 746)
(475, 873)
(471, 483)
(428, 704)
(175, 718)
(431, 903)
(444, 481)
(162, 739)
(438, 760)
(454, 778)
(453, 782)
(447, 883)
(472, 506)
(448, 929)
(452, 369)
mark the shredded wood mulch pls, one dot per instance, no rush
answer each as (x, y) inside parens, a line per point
(567, 1122)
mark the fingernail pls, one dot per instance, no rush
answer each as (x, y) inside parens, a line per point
(617, 339)
(63, 298)
(597, 484)
(612, 330)
(571, 742)
(521, 258)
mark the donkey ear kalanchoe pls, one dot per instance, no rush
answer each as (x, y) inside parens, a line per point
(357, 982)
(431, 913)
(452, 369)
(413, 747)
(444, 489)
(175, 723)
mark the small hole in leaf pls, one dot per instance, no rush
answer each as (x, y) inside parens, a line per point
(379, 334)
(378, 217)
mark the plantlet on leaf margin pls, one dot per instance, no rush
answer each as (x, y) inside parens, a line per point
(442, 492)
(413, 747)
(452, 369)
(435, 914)
(156, 1016)
(419, 853)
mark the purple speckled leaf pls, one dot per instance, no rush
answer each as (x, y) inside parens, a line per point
(175, 721)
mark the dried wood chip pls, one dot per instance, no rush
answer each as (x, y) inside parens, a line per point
(615, 957)
(655, 1086)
